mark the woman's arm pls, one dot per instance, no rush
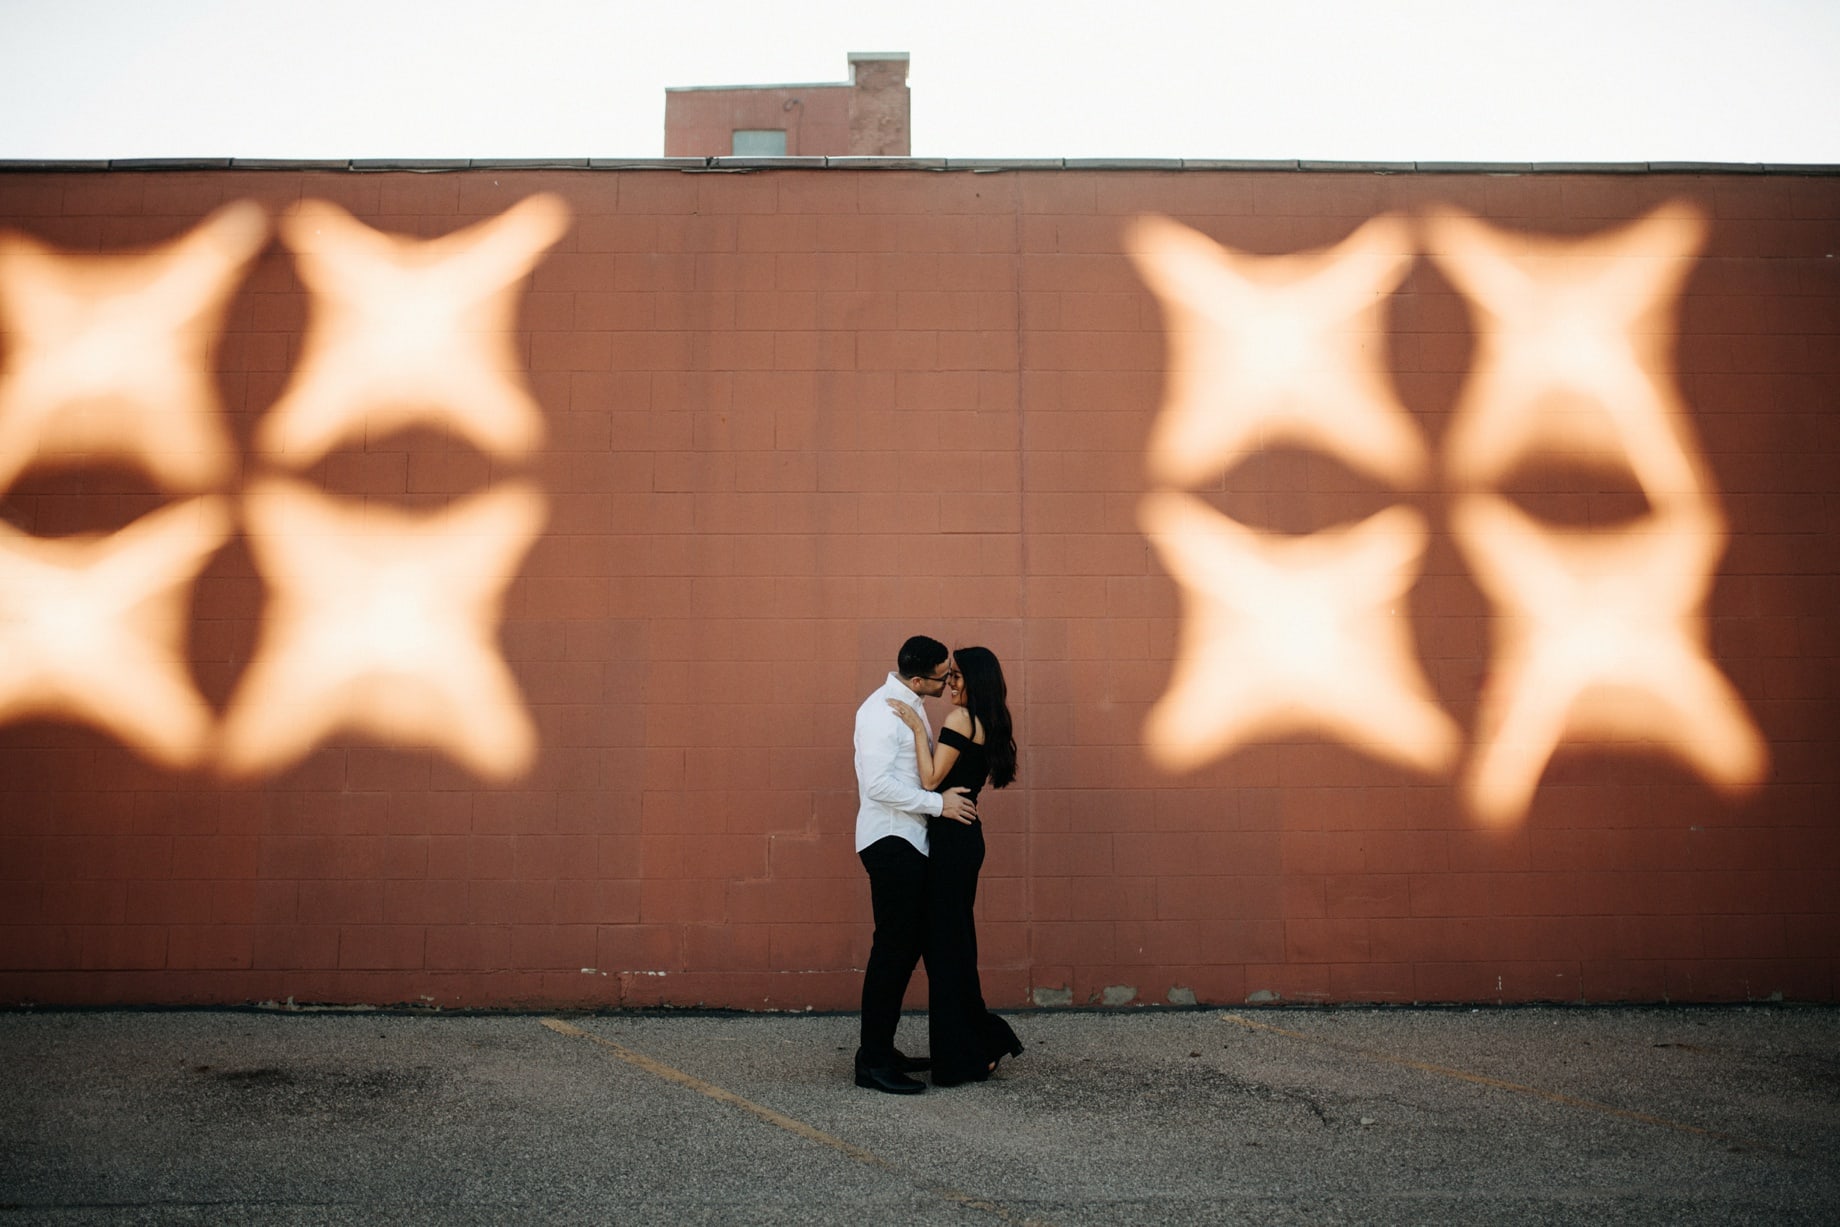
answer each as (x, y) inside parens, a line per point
(944, 753)
(934, 761)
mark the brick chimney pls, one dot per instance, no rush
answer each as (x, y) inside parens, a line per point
(879, 104)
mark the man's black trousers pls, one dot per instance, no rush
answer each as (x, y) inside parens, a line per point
(897, 890)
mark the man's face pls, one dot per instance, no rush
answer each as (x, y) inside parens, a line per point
(933, 686)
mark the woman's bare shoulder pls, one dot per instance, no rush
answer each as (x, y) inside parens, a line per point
(959, 721)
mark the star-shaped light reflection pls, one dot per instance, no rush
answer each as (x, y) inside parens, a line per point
(386, 623)
(1270, 349)
(1572, 358)
(108, 352)
(1293, 634)
(1600, 635)
(406, 332)
(92, 629)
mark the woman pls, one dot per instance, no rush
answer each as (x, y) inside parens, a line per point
(975, 744)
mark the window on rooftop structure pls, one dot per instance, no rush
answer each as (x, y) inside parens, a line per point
(760, 143)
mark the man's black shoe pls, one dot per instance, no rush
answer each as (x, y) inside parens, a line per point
(888, 1079)
(911, 1065)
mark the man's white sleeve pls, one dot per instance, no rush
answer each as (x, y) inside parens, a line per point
(880, 768)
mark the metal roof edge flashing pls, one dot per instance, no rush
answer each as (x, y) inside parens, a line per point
(745, 162)
(1473, 168)
(1315, 166)
(1239, 164)
(1588, 168)
(32, 164)
(289, 164)
(988, 164)
(648, 163)
(527, 163)
(415, 164)
(169, 163)
(870, 161)
(1123, 163)
(1722, 168)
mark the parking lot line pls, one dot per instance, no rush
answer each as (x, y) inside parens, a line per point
(1558, 1097)
(779, 1120)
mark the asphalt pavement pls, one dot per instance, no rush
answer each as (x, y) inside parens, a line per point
(1373, 1116)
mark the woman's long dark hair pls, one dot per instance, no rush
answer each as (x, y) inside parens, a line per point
(987, 699)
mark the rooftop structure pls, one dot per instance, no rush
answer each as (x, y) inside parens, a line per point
(868, 115)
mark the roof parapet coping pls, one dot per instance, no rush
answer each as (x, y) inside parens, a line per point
(872, 161)
(1590, 168)
(1474, 168)
(170, 163)
(793, 162)
(647, 163)
(1239, 164)
(989, 164)
(1123, 163)
(413, 164)
(343, 164)
(1372, 168)
(527, 163)
(26, 164)
(1728, 168)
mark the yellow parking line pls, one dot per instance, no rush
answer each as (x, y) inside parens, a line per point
(1559, 1097)
(779, 1119)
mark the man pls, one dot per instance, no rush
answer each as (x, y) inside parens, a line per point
(891, 840)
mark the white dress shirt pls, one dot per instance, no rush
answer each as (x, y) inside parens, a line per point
(890, 799)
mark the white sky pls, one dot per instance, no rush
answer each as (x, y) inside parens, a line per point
(1400, 80)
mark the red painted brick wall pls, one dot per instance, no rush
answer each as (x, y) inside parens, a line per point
(795, 416)
(701, 123)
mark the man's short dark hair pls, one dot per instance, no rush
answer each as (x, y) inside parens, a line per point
(920, 656)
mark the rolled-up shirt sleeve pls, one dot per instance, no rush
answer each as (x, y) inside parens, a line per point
(885, 765)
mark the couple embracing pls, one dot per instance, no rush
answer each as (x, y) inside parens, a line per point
(918, 835)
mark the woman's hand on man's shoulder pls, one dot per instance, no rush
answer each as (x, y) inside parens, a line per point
(906, 715)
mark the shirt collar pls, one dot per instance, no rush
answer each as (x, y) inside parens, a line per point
(898, 689)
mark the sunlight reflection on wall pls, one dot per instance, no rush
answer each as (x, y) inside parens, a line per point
(106, 354)
(380, 620)
(1600, 635)
(1285, 634)
(383, 622)
(92, 628)
(410, 333)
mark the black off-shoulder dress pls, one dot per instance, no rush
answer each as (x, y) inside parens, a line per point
(965, 1037)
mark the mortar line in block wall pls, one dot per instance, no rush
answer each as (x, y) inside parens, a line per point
(1022, 555)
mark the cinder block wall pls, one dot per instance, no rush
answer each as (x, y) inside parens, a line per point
(793, 416)
(701, 122)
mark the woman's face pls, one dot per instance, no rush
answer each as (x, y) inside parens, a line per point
(955, 686)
